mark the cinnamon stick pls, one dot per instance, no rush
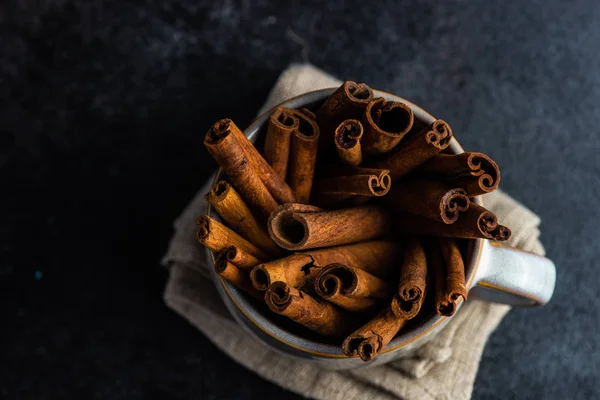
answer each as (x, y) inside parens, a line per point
(412, 285)
(224, 146)
(318, 315)
(351, 288)
(236, 277)
(300, 227)
(364, 182)
(376, 257)
(417, 149)
(455, 267)
(232, 208)
(244, 261)
(386, 123)
(291, 270)
(429, 198)
(280, 191)
(347, 102)
(347, 141)
(444, 304)
(476, 222)
(217, 236)
(370, 339)
(278, 140)
(474, 172)
(303, 155)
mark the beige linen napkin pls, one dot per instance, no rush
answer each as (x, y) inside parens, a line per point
(445, 368)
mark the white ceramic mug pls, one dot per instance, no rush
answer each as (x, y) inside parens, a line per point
(494, 272)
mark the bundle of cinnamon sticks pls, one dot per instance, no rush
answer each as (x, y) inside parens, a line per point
(352, 220)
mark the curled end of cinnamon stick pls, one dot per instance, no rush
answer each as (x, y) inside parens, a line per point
(446, 308)
(359, 93)
(439, 134)
(287, 228)
(407, 302)
(283, 118)
(278, 296)
(501, 233)
(203, 223)
(335, 279)
(218, 192)
(380, 185)
(489, 227)
(348, 133)
(219, 130)
(453, 202)
(486, 169)
(260, 278)
(366, 348)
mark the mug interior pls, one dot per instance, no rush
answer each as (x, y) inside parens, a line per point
(283, 333)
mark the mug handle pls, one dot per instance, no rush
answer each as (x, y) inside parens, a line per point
(512, 276)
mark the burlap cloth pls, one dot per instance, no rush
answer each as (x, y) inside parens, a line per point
(445, 368)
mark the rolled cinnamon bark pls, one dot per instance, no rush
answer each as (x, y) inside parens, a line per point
(303, 155)
(429, 198)
(351, 288)
(476, 222)
(300, 227)
(455, 267)
(232, 208)
(443, 304)
(239, 258)
(280, 190)
(363, 182)
(377, 257)
(412, 285)
(225, 147)
(386, 123)
(291, 270)
(474, 172)
(347, 141)
(217, 236)
(370, 339)
(236, 277)
(278, 139)
(318, 315)
(417, 149)
(347, 102)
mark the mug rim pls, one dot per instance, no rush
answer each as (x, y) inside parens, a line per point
(327, 350)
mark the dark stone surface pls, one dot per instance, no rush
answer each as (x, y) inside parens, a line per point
(103, 109)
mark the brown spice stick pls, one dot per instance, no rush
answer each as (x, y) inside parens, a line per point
(232, 208)
(278, 140)
(416, 149)
(280, 190)
(291, 270)
(386, 123)
(318, 315)
(476, 222)
(455, 266)
(217, 236)
(347, 102)
(475, 172)
(363, 182)
(306, 227)
(370, 339)
(412, 285)
(429, 198)
(303, 155)
(377, 257)
(351, 288)
(239, 258)
(223, 145)
(236, 277)
(347, 141)
(439, 271)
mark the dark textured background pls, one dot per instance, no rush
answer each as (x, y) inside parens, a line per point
(104, 106)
